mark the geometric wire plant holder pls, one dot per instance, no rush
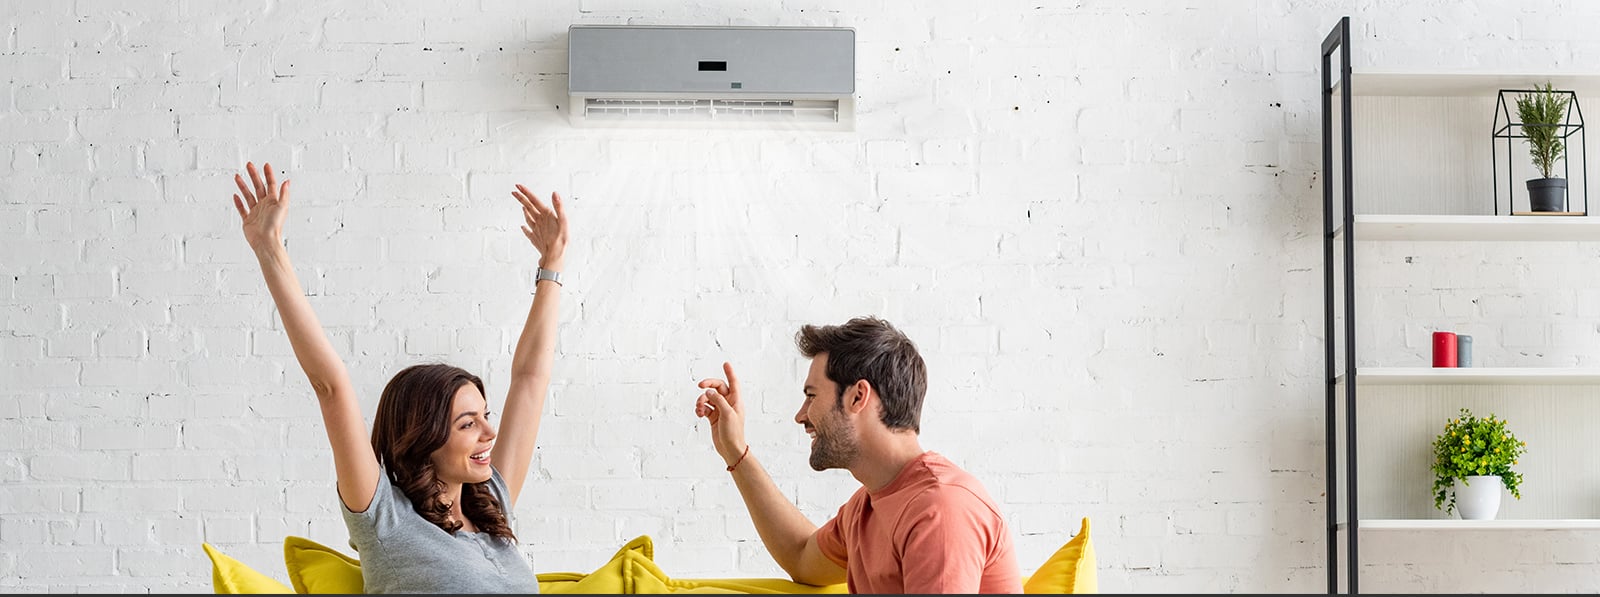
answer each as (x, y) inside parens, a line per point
(1513, 130)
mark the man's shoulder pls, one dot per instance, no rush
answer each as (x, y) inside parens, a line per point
(950, 485)
(947, 474)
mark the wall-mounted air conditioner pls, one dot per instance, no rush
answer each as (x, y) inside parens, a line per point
(769, 77)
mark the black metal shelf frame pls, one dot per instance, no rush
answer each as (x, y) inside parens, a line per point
(1338, 40)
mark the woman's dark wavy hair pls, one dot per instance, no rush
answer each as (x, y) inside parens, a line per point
(413, 421)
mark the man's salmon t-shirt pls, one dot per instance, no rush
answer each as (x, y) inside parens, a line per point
(933, 529)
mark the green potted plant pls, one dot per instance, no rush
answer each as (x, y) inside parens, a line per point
(1542, 112)
(1472, 459)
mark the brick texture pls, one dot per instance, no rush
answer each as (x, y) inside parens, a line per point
(1097, 219)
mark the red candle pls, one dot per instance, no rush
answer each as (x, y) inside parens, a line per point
(1444, 349)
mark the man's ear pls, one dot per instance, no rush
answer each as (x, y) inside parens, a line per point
(857, 400)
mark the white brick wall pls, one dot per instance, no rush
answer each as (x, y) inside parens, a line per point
(1098, 221)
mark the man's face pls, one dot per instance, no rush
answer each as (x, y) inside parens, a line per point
(833, 434)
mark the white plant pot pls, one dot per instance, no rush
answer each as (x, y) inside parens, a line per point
(1478, 497)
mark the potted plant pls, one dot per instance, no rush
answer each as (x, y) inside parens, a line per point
(1472, 459)
(1542, 112)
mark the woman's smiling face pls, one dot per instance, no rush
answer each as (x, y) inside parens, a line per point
(464, 458)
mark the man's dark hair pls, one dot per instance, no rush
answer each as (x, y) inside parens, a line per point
(871, 349)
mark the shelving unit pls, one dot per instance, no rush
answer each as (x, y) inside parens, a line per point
(1425, 175)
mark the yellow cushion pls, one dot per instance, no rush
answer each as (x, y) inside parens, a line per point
(318, 569)
(232, 577)
(1070, 570)
(627, 570)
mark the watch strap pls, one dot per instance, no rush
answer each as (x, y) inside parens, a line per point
(545, 274)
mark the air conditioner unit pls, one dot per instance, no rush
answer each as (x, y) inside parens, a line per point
(763, 77)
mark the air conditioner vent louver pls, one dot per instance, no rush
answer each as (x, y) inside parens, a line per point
(760, 77)
(713, 110)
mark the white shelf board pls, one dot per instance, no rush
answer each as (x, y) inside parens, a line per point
(1478, 525)
(1486, 376)
(1466, 84)
(1474, 228)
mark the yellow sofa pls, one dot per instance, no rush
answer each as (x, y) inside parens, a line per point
(318, 569)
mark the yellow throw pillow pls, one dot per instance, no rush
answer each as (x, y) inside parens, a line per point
(232, 577)
(630, 570)
(1070, 570)
(318, 569)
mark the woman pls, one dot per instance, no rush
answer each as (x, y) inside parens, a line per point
(428, 500)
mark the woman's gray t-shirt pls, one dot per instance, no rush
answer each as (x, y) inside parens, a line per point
(401, 552)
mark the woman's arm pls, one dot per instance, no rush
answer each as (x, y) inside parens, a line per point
(546, 229)
(263, 208)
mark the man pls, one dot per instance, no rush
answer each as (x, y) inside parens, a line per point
(919, 524)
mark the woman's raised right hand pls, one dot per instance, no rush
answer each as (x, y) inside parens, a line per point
(262, 205)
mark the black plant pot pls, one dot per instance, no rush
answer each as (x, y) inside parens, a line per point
(1547, 194)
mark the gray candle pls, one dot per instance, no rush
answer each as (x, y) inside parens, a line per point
(1463, 350)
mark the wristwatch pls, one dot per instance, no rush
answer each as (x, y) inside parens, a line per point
(545, 274)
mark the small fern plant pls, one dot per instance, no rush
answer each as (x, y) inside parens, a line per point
(1542, 112)
(1472, 446)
